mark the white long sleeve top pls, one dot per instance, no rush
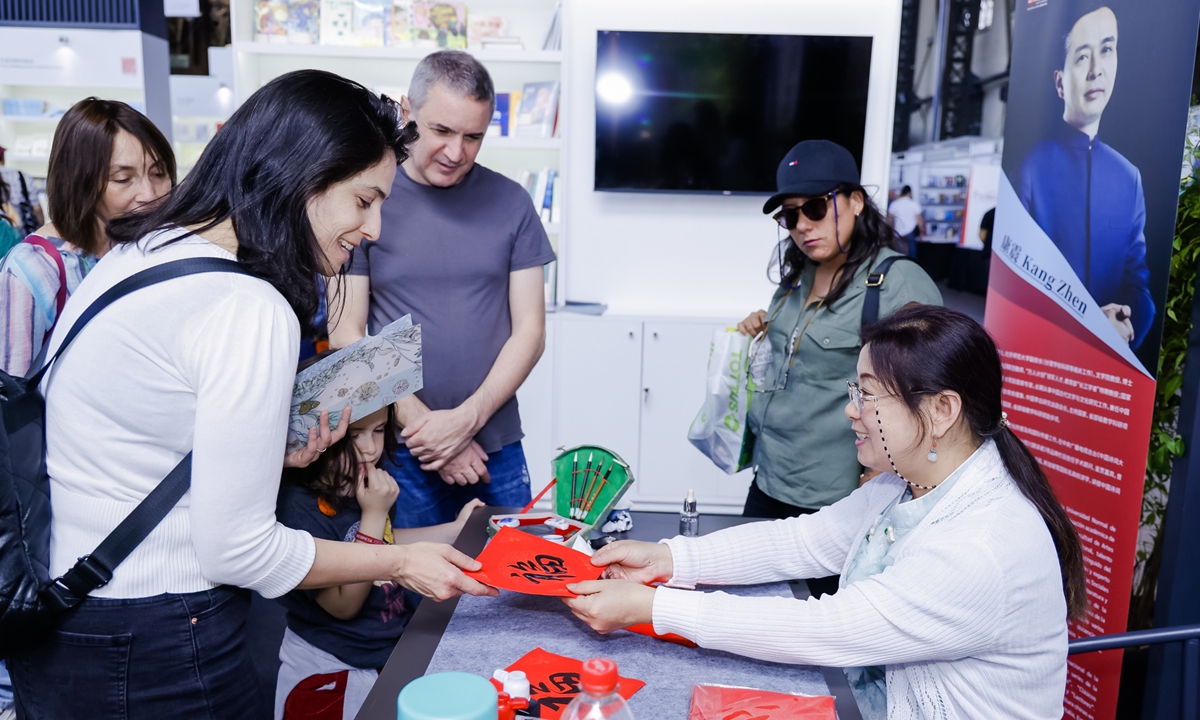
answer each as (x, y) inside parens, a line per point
(970, 621)
(203, 363)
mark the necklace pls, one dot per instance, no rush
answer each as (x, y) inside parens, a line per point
(889, 454)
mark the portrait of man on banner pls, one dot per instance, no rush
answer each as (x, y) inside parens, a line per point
(1083, 193)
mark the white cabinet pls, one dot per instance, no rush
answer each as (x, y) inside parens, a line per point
(634, 385)
(674, 367)
(597, 378)
(535, 398)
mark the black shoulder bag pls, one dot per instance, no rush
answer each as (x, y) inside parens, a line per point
(29, 600)
(870, 311)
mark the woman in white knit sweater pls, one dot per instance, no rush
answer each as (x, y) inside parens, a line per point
(959, 567)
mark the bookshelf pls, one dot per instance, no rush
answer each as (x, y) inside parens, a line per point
(393, 53)
(388, 70)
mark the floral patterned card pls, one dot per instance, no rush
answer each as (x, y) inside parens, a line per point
(370, 374)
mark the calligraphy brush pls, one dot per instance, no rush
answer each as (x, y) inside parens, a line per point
(600, 487)
(587, 471)
(574, 475)
(588, 485)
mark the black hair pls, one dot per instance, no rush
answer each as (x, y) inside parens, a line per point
(290, 141)
(906, 190)
(1080, 10)
(333, 476)
(924, 350)
(871, 234)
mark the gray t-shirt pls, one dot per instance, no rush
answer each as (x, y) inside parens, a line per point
(444, 256)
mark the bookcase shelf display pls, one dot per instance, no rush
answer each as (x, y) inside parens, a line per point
(391, 53)
(388, 69)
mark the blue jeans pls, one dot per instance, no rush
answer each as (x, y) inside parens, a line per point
(166, 656)
(912, 241)
(425, 498)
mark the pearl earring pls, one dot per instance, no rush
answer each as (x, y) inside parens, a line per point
(932, 456)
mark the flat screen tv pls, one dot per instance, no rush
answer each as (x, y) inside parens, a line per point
(707, 112)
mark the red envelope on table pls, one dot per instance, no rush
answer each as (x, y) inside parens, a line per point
(719, 702)
(523, 563)
(554, 681)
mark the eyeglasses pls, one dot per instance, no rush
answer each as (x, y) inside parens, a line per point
(857, 396)
(814, 209)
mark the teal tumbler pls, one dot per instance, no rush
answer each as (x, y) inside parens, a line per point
(447, 696)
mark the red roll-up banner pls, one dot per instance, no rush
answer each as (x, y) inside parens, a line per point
(1081, 255)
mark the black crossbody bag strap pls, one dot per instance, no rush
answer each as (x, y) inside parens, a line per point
(95, 570)
(870, 311)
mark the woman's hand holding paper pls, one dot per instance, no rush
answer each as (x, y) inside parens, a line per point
(642, 562)
(318, 440)
(607, 605)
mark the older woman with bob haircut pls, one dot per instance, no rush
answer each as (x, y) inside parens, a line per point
(959, 567)
(106, 160)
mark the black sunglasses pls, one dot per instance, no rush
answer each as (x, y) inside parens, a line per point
(814, 209)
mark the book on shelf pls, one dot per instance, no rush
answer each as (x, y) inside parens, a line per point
(555, 208)
(481, 27)
(499, 125)
(439, 24)
(270, 21)
(539, 190)
(548, 195)
(399, 32)
(543, 188)
(371, 22)
(538, 109)
(304, 22)
(514, 103)
(337, 22)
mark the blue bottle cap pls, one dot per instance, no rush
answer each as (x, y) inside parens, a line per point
(447, 696)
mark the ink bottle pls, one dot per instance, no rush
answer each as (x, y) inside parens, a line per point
(689, 519)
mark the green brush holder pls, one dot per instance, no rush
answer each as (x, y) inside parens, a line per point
(586, 492)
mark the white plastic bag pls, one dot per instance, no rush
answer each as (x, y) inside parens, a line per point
(719, 430)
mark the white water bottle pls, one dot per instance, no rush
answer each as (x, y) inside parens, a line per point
(598, 698)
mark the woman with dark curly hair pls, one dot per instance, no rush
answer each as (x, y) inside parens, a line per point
(206, 363)
(837, 239)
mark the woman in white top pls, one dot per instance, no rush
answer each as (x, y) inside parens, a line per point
(958, 566)
(206, 364)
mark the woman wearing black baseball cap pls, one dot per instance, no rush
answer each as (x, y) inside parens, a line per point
(838, 239)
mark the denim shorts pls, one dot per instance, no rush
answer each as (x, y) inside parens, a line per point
(166, 656)
(426, 499)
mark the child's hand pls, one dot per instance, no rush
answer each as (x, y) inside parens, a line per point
(376, 492)
(465, 513)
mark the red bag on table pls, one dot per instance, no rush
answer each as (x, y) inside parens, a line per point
(721, 702)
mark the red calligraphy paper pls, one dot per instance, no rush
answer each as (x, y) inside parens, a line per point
(523, 563)
(717, 702)
(554, 681)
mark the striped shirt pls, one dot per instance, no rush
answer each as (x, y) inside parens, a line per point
(29, 283)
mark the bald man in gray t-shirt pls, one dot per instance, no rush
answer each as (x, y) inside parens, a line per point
(461, 249)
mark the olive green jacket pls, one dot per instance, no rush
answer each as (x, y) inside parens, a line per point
(804, 452)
